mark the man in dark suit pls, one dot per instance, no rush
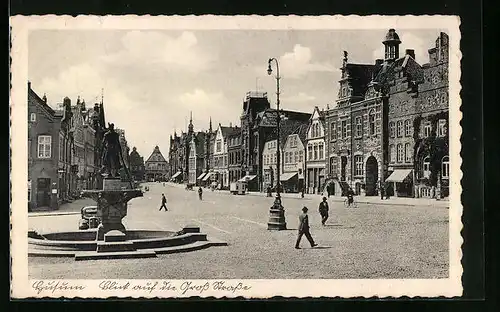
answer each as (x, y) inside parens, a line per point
(163, 202)
(304, 229)
(323, 211)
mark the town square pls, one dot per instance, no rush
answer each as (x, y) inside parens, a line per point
(241, 154)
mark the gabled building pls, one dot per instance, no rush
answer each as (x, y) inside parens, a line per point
(50, 143)
(294, 160)
(156, 166)
(234, 154)
(315, 159)
(289, 180)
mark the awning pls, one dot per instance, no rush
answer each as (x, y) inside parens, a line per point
(398, 175)
(247, 178)
(207, 176)
(176, 175)
(201, 176)
(287, 176)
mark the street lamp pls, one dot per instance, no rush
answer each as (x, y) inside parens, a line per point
(277, 212)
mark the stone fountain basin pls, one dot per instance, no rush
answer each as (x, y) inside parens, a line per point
(85, 240)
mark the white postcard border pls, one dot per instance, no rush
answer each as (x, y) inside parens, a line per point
(23, 287)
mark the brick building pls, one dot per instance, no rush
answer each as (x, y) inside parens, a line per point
(234, 154)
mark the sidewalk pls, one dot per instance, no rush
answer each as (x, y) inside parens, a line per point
(66, 208)
(399, 201)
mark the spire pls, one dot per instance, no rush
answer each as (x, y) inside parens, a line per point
(190, 127)
(210, 125)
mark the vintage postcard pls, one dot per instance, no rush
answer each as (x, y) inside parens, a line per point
(244, 156)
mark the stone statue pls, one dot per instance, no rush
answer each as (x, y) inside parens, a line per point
(111, 152)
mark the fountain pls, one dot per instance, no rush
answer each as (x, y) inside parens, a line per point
(111, 240)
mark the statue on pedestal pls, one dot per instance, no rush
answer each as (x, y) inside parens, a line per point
(111, 152)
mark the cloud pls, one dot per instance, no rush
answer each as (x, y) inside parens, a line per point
(298, 63)
(301, 97)
(158, 49)
(408, 41)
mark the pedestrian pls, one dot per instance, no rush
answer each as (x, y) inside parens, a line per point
(304, 229)
(200, 192)
(163, 202)
(323, 211)
(302, 193)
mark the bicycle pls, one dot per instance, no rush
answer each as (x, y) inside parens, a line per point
(350, 205)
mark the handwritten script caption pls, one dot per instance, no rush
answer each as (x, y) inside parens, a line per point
(188, 288)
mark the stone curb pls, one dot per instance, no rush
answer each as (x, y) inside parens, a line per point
(52, 214)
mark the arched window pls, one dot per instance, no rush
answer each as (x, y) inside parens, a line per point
(426, 167)
(445, 167)
(371, 120)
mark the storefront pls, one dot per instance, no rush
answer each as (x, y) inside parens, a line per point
(290, 182)
(402, 182)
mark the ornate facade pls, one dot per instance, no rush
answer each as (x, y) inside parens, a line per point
(156, 167)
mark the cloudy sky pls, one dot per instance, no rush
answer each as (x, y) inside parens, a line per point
(153, 79)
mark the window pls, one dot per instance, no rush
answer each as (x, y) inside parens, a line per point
(309, 152)
(315, 151)
(400, 128)
(44, 146)
(333, 131)
(392, 153)
(32, 117)
(445, 167)
(333, 166)
(442, 127)
(427, 129)
(426, 166)
(219, 146)
(400, 153)
(358, 160)
(392, 129)
(371, 120)
(301, 156)
(359, 127)
(408, 152)
(296, 156)
(321, 151)
(344, 129)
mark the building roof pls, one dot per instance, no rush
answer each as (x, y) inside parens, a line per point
(267, 118)
(288, 127)
(302, 131)
(388, 70)
(156, 156)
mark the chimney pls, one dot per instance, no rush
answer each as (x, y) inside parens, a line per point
(379, 62)
(411, 53)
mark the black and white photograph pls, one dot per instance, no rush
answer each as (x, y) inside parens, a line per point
(236, 156)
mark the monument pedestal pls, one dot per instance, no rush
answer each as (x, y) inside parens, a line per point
(277, 216)
(112, 205)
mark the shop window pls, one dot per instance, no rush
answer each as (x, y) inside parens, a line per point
(445, 167)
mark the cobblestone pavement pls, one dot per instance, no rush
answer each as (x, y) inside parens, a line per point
(372, 241)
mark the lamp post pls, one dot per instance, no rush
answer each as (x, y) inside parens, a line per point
(277, 212)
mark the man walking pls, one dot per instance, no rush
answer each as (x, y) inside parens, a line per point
(323, 211)
(163, 202)
(200, 193)
(304, 229)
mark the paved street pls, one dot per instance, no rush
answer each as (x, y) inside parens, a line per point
(372, 241)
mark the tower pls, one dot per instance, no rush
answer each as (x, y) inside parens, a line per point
(391, 44)
(190, 127)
